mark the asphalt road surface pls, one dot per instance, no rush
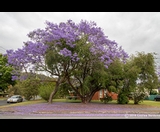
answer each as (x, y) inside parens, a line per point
(3, 102)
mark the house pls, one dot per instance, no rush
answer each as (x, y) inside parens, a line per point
(97, 96)
(101, 94)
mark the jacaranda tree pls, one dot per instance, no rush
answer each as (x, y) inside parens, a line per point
(68, 52)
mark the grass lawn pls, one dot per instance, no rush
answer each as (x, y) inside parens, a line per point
(144, 102)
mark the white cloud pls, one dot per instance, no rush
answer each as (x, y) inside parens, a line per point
(134, 31)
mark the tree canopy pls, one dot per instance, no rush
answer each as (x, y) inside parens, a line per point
(140, 75)
(69, 52)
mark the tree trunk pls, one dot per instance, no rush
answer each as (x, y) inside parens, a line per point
(87, 98)
(60, 80)
(135, 101)
(92, 94)
(52, 94)
(84, 98)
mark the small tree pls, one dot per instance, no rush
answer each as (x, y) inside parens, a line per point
(30, 88)
(138, 95)
(16, 89)
(5, 74)
(63, 91)
(45, 90)
(122, 97)
(140, 75)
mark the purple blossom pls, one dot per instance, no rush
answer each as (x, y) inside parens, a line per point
(23, 77)
(29, 54)
(63, 38)
(71, 32)
(61, 109)
(14, 78)
(66, 52)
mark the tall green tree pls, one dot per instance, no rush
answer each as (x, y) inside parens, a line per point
(140, 75)
(115, 75)
(5, 74)
(129, 81)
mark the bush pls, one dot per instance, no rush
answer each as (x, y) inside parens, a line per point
(106, 99)
(45, 90)
(138, 97)
(30, 88)
(122, 98)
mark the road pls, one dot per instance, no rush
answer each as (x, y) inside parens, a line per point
(4, 102)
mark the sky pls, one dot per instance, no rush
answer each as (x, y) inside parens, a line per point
(134, 31)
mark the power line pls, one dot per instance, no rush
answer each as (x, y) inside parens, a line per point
(3, 48)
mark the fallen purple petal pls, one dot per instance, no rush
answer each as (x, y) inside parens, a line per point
(57, 109)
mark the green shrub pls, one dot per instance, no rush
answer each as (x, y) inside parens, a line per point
(106, 99)
(30, 88)
(122, 98)
(45, 90)
(138, 97)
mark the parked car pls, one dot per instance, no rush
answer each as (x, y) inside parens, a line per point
(15, 99)
(157, 98)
